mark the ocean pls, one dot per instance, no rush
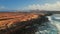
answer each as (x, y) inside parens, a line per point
(51, 27)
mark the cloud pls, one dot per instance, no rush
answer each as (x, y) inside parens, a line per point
(2, 7)
(46, 6)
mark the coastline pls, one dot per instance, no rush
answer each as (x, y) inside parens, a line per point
(23, 25)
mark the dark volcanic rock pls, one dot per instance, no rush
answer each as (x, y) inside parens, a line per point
(28, 28)
(24, 27)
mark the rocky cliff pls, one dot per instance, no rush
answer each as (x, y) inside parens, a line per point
(13, 23)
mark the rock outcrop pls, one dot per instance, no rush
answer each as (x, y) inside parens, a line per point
(13, 23)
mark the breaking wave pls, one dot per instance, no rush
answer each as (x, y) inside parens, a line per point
(51, 27)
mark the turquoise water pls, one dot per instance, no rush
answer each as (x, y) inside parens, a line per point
(51, 27)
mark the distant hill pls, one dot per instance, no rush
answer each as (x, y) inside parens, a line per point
(43, 11)
(34, 11)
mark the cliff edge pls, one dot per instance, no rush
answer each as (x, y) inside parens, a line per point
(10, 23)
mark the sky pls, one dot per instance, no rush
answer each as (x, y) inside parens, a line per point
(30, 5)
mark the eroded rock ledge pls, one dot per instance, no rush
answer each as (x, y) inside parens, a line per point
(12, 23)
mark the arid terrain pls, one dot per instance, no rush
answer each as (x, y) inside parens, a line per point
(10, 20)
(7, 19)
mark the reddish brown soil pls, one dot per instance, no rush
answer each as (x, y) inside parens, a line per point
(8, 19)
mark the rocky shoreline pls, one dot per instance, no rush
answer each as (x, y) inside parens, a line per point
(25, 27)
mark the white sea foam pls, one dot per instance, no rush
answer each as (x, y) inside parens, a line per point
(56, 23)
(53, 27)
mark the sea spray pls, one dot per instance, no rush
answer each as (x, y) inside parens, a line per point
(47, 28)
